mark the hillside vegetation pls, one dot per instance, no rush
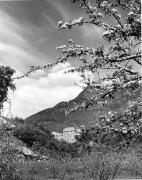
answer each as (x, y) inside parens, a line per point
(56, 119)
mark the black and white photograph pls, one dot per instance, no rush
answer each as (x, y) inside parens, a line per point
(70, 90)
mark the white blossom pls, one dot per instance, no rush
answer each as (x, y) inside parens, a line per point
(61, 47)
(70, 41)
(60, 23)
(64, 26)
(109, 112)
(104, 3)
(81, 19)
(124, 130)
(131, 13)
(114, 10)
(100, 15)
(107, 32)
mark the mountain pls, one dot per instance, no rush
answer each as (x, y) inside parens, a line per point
(55, 118)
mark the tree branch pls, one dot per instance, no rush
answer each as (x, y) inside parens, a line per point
(137, 44)
(128, 58)
(117, 20)
(130, 72)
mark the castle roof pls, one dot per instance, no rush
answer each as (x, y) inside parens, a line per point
(69, 129)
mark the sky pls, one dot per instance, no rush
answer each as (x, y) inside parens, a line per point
(29, 36)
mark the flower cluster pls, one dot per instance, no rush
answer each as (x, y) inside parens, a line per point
(122, 36)
(125, 126)
(68, 25)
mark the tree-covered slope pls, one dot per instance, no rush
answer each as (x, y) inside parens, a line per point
(57, 118)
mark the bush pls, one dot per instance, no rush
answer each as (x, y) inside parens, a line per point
(8, 156)
(31, 135)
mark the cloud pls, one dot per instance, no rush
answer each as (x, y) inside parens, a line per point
(33, 95)
(30, 99)
(60, 66)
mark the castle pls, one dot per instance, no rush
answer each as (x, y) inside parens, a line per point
(68, 134)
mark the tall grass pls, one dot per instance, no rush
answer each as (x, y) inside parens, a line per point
(100, 164)
(93, 166)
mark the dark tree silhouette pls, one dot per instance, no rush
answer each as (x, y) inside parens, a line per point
(6, 82)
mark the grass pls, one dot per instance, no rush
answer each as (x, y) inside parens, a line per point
(94, 166)
(100, 164)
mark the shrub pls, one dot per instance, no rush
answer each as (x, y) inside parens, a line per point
(8, 156)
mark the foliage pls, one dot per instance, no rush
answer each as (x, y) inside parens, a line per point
(43, 141)
(120, 55)
(99, 165)
(116, 129)
(6, 82)
(133, 165)
(31, 135)
(17, 121)
(8, 156)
